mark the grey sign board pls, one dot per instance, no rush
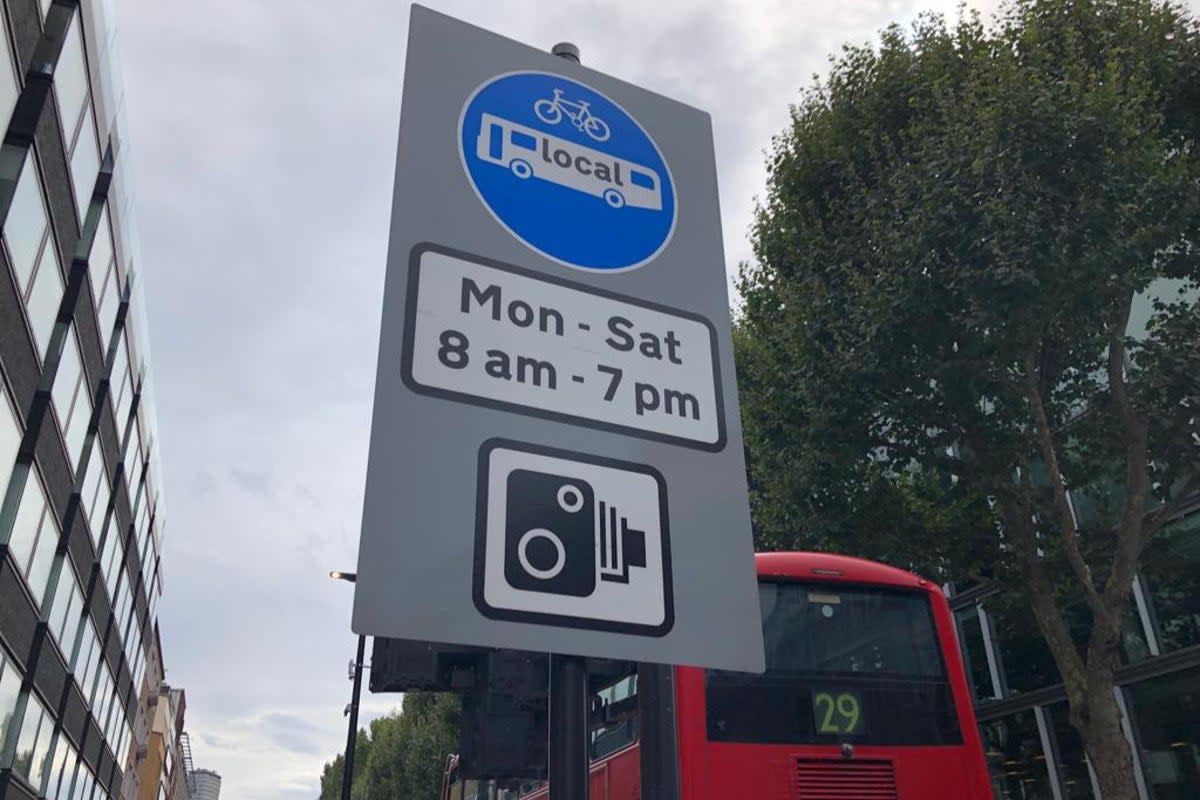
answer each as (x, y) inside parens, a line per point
(556, 454)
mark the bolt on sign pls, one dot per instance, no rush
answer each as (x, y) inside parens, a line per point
(556, 453)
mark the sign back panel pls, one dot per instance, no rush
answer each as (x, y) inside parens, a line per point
(556, 455)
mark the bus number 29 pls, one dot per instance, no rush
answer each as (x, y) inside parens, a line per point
(837, 715)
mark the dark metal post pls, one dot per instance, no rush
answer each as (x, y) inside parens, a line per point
(352, 733)
(568, 728)
(569, 732)
(659, 744)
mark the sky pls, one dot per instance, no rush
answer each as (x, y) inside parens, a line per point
(263, 138)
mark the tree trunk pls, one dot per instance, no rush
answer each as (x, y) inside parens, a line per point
(1099, 725)
(1094, 712)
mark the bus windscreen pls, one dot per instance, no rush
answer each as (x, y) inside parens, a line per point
(844, 664)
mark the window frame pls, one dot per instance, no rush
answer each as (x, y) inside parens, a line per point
(72, 132)
(36, 556)
(47, 239)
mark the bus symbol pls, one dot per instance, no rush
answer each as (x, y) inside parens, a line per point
(530, 153)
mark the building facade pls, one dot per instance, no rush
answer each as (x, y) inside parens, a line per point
(163, 768)
(206, 785)
(80, 508)
(1032, 750)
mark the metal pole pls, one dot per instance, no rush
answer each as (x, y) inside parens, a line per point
(569, 732)
(659, 746)
(352, 733)
(568, 728)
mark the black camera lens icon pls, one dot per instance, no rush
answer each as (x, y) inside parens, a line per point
(559, 539)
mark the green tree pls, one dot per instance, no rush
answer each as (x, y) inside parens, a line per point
(404, 754)
(331, 775)
(936, 353)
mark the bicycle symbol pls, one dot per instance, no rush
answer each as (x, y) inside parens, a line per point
(551, 111)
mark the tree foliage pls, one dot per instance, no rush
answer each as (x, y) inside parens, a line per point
(941, 346)
(404, 754)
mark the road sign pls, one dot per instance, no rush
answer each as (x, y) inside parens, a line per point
(567, 171)
(556, 458)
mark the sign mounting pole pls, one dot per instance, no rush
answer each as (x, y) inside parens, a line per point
(568, 728)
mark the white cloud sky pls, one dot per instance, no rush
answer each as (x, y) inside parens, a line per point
(264, 144)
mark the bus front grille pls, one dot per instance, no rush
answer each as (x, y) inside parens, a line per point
(825, 779)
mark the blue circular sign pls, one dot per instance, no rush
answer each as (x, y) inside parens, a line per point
(567, 171)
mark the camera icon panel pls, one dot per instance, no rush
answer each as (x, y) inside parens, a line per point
(570, 539)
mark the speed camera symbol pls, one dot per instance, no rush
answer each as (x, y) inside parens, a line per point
(572, 537)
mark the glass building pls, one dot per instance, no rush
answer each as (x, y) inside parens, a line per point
(1032, 750)
(81, 514)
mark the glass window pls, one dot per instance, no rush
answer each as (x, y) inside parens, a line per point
(112, 568)
(102, 251)
(974, 652)
(44, 299)
(842, 663)
(102, 271)
(10, 688)
(95, 495)
(133, 640)
(95, 691)
(70, 81)
(1171, 577)
(123, 601)
(119, 386)
(104, 706)
(43, 767)
(104, 687)
(26, 225)
(1167, 712)
(92, 690)
(66, 381)
(30, 750)
(85, 663)
(72, 405)
(614, 721)
(125, 405)
(64, 765)
(65, 610)
(10, 86)
(85, 163)
(143, 527)
(1078, 617)
(1027, 662)
(10, 438)
(77, 426)
(1015, 759)
(133, 462)
(110, 302)
(85, 783)
(139, 667)
(1072, 760)
(34, 537)
(829, 629)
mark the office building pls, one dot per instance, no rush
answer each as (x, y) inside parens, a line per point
(206, 785)
(81, 517)
(1032, 750)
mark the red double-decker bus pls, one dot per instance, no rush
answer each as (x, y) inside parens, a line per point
(864, 698)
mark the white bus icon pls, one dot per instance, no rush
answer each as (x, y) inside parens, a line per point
(530, 153)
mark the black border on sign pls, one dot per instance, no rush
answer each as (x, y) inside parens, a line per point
(559, 620)
(410, 322)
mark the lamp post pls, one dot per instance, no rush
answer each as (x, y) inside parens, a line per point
(352, 709)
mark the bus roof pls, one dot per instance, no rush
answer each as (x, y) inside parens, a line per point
(830, 566)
